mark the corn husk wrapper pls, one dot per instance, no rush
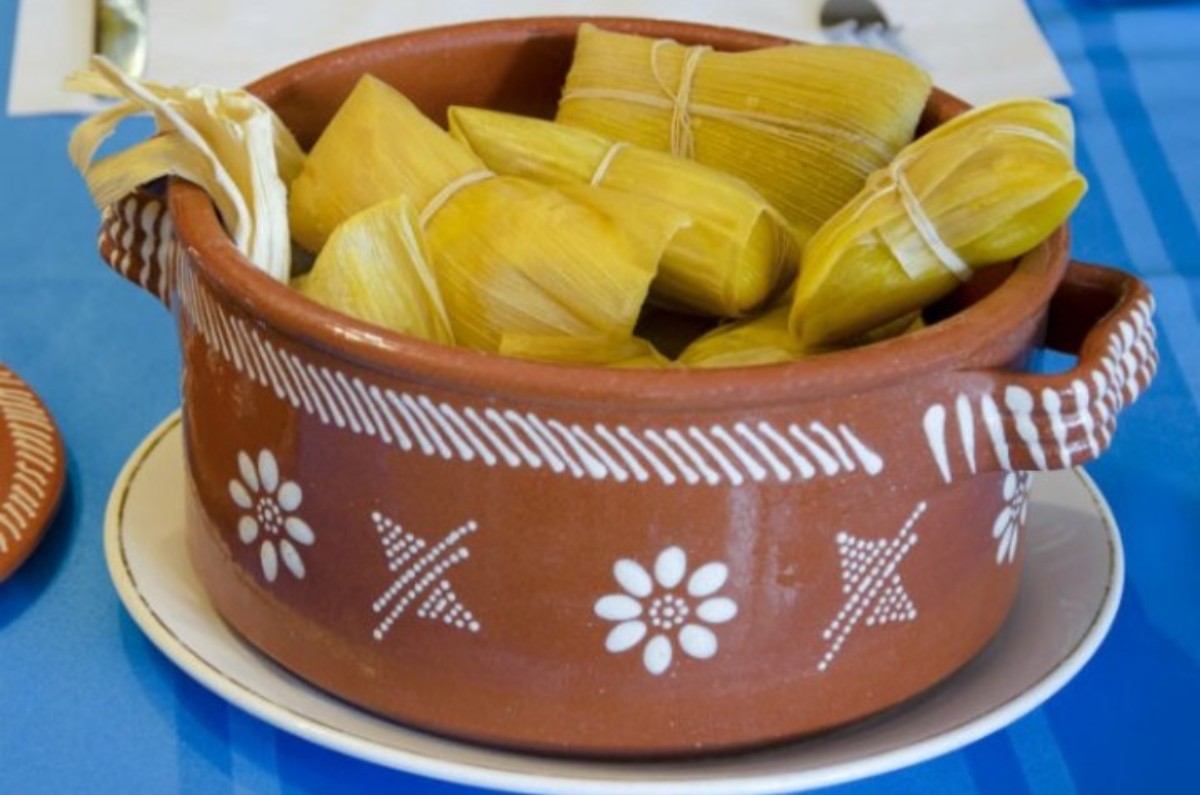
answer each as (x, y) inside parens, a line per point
(518, 258)
(228, 142)
(511, 256)
(803, 125)
(982, 188)
(766, 339)
(726, 263)
(905, 324)
(376, 267)
(620, 351)
(365, 156)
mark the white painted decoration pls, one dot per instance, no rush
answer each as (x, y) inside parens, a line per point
(269, 521)
(1011, 518)
(666, 607)
(873, 591)
(152, 264)
(1050, 428)
(28, 430)
(493, 436)
(419, 577)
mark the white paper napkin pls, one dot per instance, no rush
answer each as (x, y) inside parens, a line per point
(980, 50)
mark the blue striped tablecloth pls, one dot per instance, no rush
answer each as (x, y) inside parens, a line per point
(87, 704)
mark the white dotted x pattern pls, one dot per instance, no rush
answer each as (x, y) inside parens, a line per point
(872, 589)
(420, 577)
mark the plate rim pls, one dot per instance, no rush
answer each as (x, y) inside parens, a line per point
(586, 781)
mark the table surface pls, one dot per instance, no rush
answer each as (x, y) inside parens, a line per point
(87, 703)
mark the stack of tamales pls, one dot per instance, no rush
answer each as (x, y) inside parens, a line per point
(513, 258)
(775, 194)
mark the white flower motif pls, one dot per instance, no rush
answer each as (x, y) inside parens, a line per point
(270, 519)
(1007, 527)
(665, 608)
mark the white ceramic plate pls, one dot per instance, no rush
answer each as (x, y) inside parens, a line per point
(1068, 597)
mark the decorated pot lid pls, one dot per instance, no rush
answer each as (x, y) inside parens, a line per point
(32, 470)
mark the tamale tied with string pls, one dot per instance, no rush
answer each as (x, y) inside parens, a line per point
(376, 267)
(728, 261)
(363, 157)
(803, 125)
(516, 257)
(982, 188)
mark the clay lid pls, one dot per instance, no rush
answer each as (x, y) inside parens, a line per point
(32, 471)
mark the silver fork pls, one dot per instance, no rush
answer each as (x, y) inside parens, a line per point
(861, 22)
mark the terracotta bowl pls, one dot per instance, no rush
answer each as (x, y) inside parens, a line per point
(601, 562)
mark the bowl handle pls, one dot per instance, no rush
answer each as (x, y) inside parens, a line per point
(137, 240)
(1030, 421)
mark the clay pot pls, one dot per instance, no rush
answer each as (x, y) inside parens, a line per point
(603, 562)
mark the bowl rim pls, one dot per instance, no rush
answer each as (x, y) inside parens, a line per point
(963, 340)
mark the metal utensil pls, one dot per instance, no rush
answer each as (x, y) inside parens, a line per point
(859, 12)
(861, 22)
(120, 34)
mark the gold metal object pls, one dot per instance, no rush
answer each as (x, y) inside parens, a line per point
(121, 34)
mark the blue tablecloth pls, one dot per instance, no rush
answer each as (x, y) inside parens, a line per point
(87, 704)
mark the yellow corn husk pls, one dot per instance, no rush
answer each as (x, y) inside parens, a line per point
(226, 141)
(520, 258)
(648, 224)
(511, 256)
(376, 147)
(376, 267)
(727, 262)
(617, 351)
(803, 125)
(764, 339)
(905, 324)
(982, 188)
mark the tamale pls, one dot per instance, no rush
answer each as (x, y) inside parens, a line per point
(511, 256)
(905, 324)
(984, 187)
(376, 267)
(364, 157)
(764, 339)
(804, 125)
(625, 350)
(726, 262)
(516, 257)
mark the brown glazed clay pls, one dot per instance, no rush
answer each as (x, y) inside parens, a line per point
(604, 562)
(33, 471)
